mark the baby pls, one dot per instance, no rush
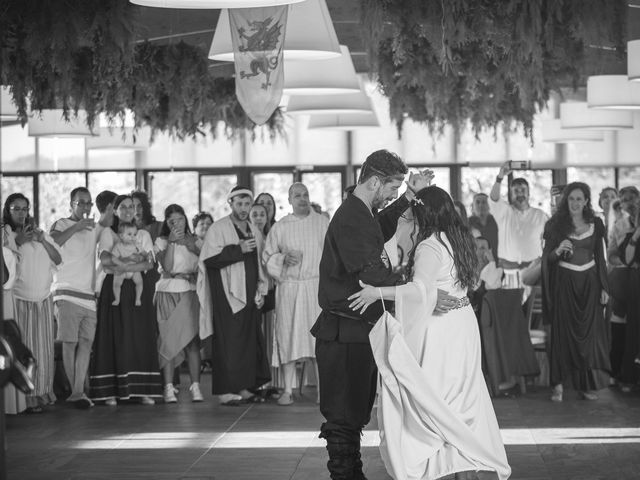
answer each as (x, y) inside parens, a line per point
(126, 252)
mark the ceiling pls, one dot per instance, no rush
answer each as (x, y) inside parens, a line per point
(196, 27)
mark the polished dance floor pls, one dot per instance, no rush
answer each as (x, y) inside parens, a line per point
(577, 439)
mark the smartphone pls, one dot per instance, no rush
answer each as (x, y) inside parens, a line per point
(519, 164)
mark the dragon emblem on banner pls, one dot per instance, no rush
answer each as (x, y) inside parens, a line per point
(262, 42)
(258, 37)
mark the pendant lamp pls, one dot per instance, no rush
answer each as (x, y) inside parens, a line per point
(579, 115)
(329, 104)
(322, 77)
(119, 139)
(552, 131)
(347, 121)
(51, 123)
(208, 4)
(309, 36)
(633, 60)
(8, 110)
(613, 92)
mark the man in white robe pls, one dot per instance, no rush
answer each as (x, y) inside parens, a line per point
(292, 257)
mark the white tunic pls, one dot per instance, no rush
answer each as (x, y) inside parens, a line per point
(519, 232)
(435, 415)
(297, 306)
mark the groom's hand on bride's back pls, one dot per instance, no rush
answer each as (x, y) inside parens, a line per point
(445, 302)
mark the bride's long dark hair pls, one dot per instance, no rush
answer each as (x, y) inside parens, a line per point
(437, 215)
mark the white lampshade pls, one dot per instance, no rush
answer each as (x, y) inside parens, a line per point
(8, 110)
(552, 131)
(613, 92)
(321, 77)
(119, 139)
(633, 60)
(579, 115)
(51, 123)
(329, 104)
(347, 121)
(309, 35)
(207, 4)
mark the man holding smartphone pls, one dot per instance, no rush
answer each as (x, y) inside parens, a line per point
(73, 291)
(520, 227)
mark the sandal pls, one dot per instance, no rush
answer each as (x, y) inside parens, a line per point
(30, 410)
(230, 403)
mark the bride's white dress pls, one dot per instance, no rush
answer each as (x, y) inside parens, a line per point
(434, 411)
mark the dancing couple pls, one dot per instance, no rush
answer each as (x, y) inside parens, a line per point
(434, 412)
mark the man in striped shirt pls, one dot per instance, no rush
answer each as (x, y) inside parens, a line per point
(73, 291)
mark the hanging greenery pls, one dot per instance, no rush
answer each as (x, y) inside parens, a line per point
(81, 54)
(487, 62)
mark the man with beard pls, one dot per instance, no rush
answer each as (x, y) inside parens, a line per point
(520, 227)
(354, 252)
(231, 288)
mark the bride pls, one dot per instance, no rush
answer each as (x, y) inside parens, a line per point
(435, 415)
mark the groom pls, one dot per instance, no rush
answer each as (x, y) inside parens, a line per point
(354, 251)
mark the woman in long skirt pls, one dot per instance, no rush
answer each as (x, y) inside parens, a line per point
(38, 256)
(575, 289)
(177, 303)
(125, 356)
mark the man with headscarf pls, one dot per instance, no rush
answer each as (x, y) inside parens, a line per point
(231, 289)
(353, 253)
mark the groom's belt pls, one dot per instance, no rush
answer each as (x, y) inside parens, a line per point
(338, 313)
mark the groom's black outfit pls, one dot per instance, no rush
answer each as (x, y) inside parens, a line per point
(353, 251)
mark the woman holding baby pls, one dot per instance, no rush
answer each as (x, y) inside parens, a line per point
(125, 360)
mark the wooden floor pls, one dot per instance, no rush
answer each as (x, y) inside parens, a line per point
(573, 440)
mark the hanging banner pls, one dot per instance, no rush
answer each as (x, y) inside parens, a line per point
(258, 38)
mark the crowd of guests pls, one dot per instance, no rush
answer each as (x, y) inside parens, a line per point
(131, 298)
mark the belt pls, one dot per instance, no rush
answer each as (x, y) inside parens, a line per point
(461, 302)
(508, 264)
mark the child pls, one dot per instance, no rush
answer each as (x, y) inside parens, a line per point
(126, 252)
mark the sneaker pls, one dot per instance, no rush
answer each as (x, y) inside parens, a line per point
(556, 396)
(169, 394)
(285, 399)
(196, 394)
(111, 402)
(148, 401)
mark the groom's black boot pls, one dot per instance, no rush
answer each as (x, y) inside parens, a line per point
(342, 459)
(357, 469)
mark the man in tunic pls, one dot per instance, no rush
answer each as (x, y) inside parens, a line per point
(292, 257)
(520, 228)
(231, 289)
(354, 252)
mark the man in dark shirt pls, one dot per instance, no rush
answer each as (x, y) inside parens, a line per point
(354, 252)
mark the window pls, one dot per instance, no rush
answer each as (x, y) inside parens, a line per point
(628, 177)
(596, 178)
(277, 184)
(118, 182)
(325, 189)
(476, 180)
(54, 190)
(23, 185)
(213, 194)
(539, 188)
(166, 188)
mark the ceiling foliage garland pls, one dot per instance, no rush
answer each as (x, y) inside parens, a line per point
(82, 54)
(490, 63)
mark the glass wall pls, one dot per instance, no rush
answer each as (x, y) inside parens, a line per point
(118, 182)
(22, 185)
(53, 191)
(213, 194)
(166, 188)
(628, 177)
(277, 184)
(596, 178)
(325, 189)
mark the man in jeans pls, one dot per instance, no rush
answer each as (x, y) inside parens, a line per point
(73, 291)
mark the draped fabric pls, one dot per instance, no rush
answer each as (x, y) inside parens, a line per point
(435, 415)
(580, 334)
(258, 37)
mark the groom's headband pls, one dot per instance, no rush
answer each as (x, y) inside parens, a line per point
(240, 191)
